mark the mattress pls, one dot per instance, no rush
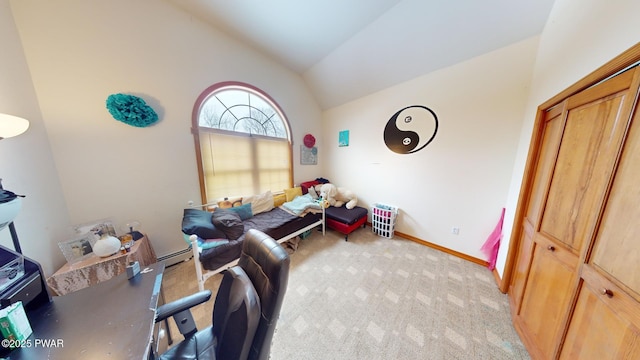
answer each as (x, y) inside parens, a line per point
(276, 223)
(344, 215)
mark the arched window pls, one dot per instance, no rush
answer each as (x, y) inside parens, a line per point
(243, 142)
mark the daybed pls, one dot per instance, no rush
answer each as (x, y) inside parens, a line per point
(216, 237)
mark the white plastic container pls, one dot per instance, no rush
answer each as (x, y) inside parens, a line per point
(383, 219)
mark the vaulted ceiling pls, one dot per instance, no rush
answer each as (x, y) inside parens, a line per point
(345, 49)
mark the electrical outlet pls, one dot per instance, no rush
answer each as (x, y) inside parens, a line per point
(455, 230)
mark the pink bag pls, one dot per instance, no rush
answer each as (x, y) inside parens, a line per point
(492, 244)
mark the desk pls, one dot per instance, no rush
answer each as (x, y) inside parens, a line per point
(111, 320)
(91, 271)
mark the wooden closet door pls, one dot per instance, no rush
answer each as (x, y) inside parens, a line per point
(606, 320)
(551, 136)
(565, 207)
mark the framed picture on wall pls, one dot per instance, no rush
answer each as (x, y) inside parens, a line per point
(308, 156)
(343, 138)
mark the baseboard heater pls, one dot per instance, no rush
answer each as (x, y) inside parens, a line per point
(176, 257)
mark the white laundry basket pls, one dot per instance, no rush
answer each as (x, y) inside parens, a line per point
(383, 219)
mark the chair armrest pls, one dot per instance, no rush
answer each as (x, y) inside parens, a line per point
(166, 310)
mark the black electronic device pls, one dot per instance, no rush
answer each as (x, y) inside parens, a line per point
(21, 278)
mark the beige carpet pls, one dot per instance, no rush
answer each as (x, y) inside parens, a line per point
(378, 298)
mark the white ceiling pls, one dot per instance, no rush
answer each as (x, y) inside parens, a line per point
(346, 49)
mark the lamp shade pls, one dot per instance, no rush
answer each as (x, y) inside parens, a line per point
(12, 126)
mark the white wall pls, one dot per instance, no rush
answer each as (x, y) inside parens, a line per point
(79, 52)
(26, 164)
(580, 36)
(461, 178)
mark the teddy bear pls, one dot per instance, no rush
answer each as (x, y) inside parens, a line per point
(338, 196)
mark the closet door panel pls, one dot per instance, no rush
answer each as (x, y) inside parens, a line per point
(616, 251)
(521, 271)
(546, 161)
(592, 137)
(546, 298)
(606, 320)
(605, 323)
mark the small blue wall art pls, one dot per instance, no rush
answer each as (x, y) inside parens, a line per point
(343, 138)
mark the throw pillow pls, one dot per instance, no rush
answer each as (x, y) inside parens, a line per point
(279, 199)
(259, 203)
(292, 193)
(198, 222)
(228, 222)
(244, 211)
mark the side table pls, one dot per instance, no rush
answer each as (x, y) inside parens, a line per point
(91, 271)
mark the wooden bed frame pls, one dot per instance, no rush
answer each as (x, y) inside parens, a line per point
(203, 274)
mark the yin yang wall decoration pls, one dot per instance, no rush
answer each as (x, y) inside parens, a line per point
(410, 129)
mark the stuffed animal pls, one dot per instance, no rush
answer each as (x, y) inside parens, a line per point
(346, 196)
(324, 203)
(338, 196)
(327, 192)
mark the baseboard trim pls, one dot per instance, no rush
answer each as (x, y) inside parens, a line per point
(442, 248)
(498, 280)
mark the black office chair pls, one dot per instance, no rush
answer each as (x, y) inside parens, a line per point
(246, 308)
(267, 264)
(236, 314)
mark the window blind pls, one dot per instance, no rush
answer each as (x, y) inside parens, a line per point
(237, 165)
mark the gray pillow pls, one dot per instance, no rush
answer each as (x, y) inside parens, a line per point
(228, 222)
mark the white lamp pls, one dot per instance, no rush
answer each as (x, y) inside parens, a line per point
(12, 126)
